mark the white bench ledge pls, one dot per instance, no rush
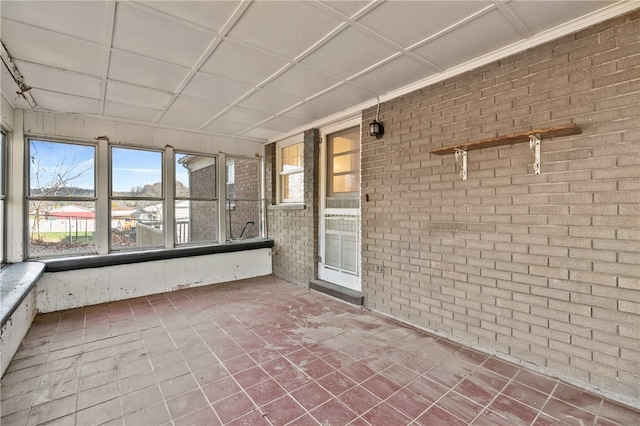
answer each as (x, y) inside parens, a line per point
(16, 281)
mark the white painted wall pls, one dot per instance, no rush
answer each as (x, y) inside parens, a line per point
(14, 330)
(71, 289)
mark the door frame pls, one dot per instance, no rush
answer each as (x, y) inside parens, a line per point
(353, 282)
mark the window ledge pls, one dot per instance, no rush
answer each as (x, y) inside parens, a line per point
(17, 281)
(288, 206)
(124, 258)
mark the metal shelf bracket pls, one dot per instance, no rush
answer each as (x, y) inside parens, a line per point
(461, 159)
(534, 144)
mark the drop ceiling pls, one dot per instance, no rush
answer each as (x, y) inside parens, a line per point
(259, 70)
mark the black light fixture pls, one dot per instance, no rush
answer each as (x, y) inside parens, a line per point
(376, 129)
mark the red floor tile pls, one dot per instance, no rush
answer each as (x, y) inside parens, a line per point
(282, 410)
(244, 353)
(333, 412)
(311, 395)
(233, 406)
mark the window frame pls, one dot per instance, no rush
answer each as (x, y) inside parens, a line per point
(162, 199)
(103, 191)
(282, 174)
(29, 198)
(215, 199)
(330, 173)
(231, 203)
(4, 163)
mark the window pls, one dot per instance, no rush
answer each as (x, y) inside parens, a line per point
(3, 196)
(291, 169)
(343, 153)
(196, 202)
(76, 208)
(61, 200)
(244, 203)
(137, 199)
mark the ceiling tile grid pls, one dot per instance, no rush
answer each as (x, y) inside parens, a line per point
(254, 69)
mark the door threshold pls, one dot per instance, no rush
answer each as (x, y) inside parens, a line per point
(339, 292)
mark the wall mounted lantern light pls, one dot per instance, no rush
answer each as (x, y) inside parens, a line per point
(376, 129)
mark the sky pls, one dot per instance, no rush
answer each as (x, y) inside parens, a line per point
(131, 167)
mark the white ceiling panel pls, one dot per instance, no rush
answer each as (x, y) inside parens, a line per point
(211, 15)
(207, 86)
(268, 100)
(262, 134)
(282, 124)
(348, 53)
(409, 22)
(345, 96)
(61, 81)
(286, 28)
(246, 116)
(470, 41)
(391, 75)
(256, 68)
(538, 19)
(65, 103)
(310, 112)
(136, 69)
(130, 112)
(346, 7)
(82, 19)
(191, 113)
(302, 81)
(150, 35)
(225, 127)
(130, 94)
(239, 63)
(51, 49)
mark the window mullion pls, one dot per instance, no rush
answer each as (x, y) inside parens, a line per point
(103, 213)
(169, 194)
(221, 171)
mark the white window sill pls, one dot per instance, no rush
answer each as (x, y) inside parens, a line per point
(288, 206)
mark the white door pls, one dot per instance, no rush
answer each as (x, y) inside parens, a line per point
(340, 207)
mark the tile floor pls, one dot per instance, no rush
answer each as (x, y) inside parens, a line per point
(266, 352)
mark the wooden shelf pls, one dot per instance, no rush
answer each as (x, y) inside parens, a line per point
(549, 132)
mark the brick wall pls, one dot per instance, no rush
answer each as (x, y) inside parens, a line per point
(204, 216)
(247, 187)
(295, 230)
(543, 269)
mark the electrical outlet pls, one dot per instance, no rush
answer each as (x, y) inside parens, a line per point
(379, 268)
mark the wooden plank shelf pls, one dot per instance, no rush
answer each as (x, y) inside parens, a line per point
(547, 133)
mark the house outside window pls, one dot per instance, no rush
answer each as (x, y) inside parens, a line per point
(243, 199)
(195, 199)
(290, 160)
(61, 199)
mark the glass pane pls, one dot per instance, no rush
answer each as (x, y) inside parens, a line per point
(195, 176)
(292, 157)
(61, 169)
(243, 219)
(345, 163)
(57, 228)
(139, 225)
(196, 221)
(243, 178)
(346, 183)
(293, 187)
(136, 173)
(348, 142)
